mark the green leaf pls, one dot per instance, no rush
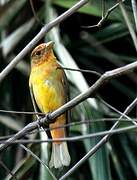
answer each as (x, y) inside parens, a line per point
(87, 9)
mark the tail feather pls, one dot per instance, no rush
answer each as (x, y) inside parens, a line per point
(59, 156)
(64, 154)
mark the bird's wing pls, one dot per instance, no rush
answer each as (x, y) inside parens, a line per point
(67, 95)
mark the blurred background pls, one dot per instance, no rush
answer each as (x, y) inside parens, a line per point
(98, 49)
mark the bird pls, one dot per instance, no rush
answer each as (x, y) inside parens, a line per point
(48, 85)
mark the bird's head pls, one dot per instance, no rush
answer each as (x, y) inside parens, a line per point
(42, 53)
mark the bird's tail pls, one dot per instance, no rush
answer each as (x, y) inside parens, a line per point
(60, 156)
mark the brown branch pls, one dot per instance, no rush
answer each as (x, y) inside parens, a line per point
(39, 36)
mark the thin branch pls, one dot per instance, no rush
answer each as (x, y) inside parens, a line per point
(38, 159)
(7, 169)
(77, 123)
(80, 98)
(113, 108)
(105, 16)
(81, 70)
(39, 36)
(134, 8)
(130, 107)
(98, 145)
(34, 13)
(22, 112)
(76, 138)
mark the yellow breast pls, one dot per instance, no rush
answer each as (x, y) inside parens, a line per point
(48, 90)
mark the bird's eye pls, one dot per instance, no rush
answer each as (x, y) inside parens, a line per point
(37, 53)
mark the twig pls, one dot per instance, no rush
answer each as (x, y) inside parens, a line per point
(98, 145)
(39, 36)
(105, 16)
(38, 159)
(34, 13)
(76, 138)
(103, 79)
(128, 109)
(7, 169)
(21, 112)
(81, 70)
(114, 109)
(134, 8)
(131, 106)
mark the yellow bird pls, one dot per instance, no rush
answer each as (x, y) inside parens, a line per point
(49, 87)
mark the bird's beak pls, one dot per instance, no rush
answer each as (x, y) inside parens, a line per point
(49, 45)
